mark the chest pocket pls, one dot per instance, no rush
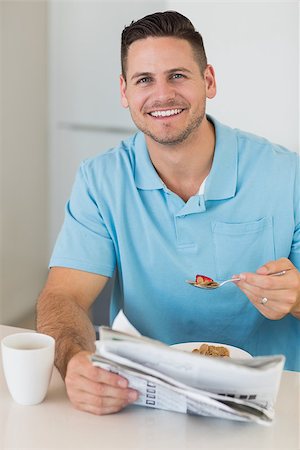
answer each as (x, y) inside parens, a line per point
(242, 247)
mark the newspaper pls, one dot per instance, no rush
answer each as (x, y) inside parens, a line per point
(171, 379)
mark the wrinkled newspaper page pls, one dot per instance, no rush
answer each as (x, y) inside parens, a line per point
(172, 379)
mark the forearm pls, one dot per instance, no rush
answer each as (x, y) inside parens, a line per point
(65, 320)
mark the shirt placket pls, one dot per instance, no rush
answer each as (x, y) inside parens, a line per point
(183, 220)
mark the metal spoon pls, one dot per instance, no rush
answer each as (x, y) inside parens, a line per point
(212, 285)
(216, 284)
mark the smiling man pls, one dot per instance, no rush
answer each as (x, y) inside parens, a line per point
(186, 194)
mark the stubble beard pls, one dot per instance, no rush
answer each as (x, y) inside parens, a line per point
(174, 138)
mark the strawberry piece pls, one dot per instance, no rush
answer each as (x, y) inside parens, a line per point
(203, 279)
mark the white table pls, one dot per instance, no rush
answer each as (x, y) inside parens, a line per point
(55, 424)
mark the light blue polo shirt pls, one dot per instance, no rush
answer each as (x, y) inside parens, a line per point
(121, 216)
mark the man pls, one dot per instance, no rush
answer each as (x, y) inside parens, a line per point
(185, 195)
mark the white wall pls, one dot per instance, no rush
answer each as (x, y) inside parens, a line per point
(23, 155)
(254, 49)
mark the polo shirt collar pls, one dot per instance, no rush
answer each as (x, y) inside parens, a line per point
(222, 179)
(145, 174)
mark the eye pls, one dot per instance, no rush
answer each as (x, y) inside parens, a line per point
(143, 80)
(177, 76)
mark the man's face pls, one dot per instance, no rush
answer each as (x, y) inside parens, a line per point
(164, 89)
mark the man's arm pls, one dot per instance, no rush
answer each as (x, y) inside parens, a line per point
(62, 312)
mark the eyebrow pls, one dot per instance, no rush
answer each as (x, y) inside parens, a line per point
(148, 74)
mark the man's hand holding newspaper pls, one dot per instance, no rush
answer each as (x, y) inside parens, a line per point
(166, 378)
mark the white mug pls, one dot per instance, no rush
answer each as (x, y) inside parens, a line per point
(28, 360)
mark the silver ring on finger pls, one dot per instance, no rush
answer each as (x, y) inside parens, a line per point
(263, 301)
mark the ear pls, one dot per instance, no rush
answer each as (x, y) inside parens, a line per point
(210, 81)
(124, 101)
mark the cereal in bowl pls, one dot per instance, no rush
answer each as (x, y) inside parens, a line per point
(212, 350)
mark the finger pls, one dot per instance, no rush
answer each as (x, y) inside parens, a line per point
(102, 401)
(93, 409)
(274, 309)
(83, 385)
(107, 377)
(275, 266)
(266, 310)
(103, 411)
(81, 365)
(266, 282)
(283, 296)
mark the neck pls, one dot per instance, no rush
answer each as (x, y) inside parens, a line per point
(184, 166)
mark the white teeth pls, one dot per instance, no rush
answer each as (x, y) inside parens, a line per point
(169, 112)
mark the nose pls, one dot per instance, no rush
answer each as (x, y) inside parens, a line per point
(164, 91)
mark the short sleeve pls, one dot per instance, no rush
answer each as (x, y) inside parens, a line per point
(84, 242)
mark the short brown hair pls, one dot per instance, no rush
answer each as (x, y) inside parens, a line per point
(163, 24)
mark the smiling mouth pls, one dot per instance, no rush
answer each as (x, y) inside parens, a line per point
(166, 113)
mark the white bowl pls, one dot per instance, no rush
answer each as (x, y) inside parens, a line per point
(234, 352)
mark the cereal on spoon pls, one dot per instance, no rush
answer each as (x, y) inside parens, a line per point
(203, 280)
